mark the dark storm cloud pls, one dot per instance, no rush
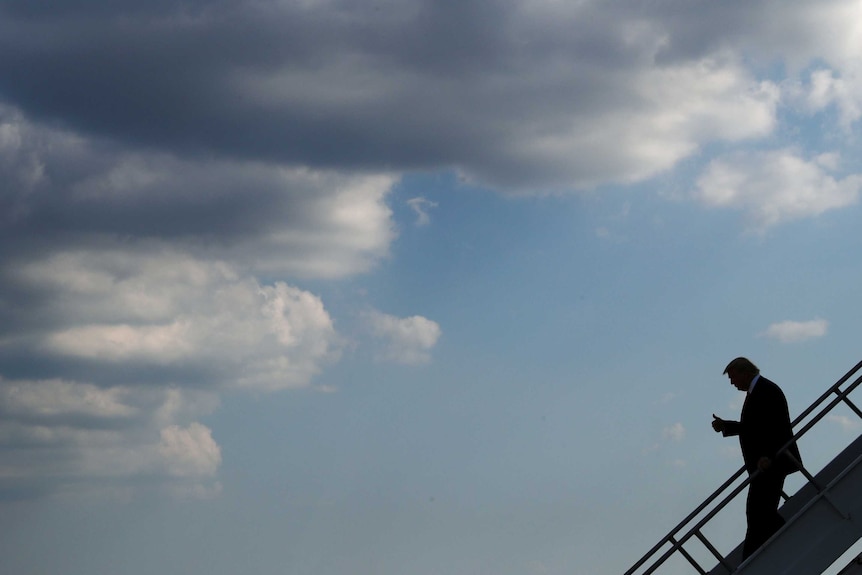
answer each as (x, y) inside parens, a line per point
(370, 85)
(65, 190)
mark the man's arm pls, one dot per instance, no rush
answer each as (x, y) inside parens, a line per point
(725, 426)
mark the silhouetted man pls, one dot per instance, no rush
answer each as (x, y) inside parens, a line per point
(763, 429)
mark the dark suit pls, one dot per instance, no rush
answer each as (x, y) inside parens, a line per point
(764, 427)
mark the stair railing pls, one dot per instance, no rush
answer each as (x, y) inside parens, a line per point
(677, 541)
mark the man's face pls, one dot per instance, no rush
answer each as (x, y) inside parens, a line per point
(740, 381)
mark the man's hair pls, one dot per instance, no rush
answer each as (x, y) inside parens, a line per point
(742, 365)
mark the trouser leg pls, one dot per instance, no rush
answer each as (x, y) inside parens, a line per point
(761, 510)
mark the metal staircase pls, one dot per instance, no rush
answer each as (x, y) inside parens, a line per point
(824, 518)
(853, 568)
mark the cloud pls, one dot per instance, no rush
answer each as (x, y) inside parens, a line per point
(675, 432)
(847, 424)
(169, 311)
(57, 399)
(421, 206)
(169, 179)
(670, 433)
(820, 43)
(189, 451)
(796, 331)
(131, 291)
(826, 87)
(60, 435)
(776, 186)
(406, 340)
(265, 218)
(525, 96)
(666, 398)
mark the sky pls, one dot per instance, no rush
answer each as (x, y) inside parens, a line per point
(402, 287)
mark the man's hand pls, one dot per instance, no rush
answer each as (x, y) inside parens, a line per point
(717, 423)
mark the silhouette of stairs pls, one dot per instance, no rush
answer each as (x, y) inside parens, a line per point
(853, 568)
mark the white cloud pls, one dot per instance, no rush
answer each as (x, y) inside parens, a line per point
(421, 206)
(345, 229)
(153, 299)
(671, 433)
(821, 43)
(777, 186)
(69, 433)
(796, 331)
(667, 114)
(160, 333)
(827, 87)
(189, 451)
(406, 340)
(675, 432)
(846, 423)
(168, 309)
(58, 398)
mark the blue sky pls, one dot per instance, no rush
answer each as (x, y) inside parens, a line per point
(409, 288)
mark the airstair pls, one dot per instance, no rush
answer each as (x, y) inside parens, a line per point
(824, 517)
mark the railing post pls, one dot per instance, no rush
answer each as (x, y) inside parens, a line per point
(713, 550)
(688, 556)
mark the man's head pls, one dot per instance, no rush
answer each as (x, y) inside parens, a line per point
(741, 372)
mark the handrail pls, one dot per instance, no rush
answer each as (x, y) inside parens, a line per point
(673, 536)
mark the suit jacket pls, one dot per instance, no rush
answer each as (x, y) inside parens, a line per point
(764, 427)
